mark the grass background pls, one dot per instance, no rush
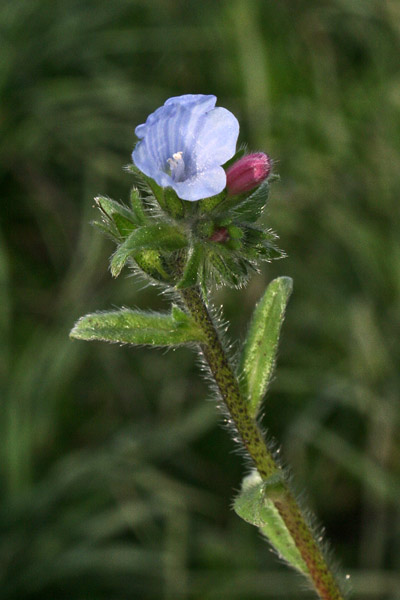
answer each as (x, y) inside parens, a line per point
(116, 479)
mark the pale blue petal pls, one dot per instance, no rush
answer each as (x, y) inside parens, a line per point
(202, 185)
(198, 103)
(164, 136)
(216, 142)
(149, 164)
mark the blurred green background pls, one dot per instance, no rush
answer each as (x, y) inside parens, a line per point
(116, 478)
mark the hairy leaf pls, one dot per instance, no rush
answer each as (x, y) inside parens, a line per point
(259, 352)
(255, 505)
(127, 326)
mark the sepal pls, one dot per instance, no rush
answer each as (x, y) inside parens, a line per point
(137, 207)
(193, 267)
(156, 236)
(118, 220)
(238, 155)
(151, 262)
(250, 208)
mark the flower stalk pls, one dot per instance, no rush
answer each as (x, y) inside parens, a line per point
(255, 444)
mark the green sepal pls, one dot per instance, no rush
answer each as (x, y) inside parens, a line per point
(124, 226)
(151, 263)
(209, 204)
(255, 504)
(161, 236)
(228, 269)
(259, 352)
(127, 326)
(137, 206)
(109, 208)
(109, 229)
(147, 184)
(118, 220)
(249, 209)
(239, 154)
(235, 233)
(173, 204)
(259, 244)
(192, 268)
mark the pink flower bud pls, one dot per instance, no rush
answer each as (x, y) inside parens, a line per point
(220, 235)
(247, 173)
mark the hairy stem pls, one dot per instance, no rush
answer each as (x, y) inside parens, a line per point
(253, 440)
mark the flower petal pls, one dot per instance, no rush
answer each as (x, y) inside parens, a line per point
(198, 103)
(216, 142)
(202, 185)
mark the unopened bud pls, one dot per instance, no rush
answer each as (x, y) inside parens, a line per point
(247, 173)
(220, 235)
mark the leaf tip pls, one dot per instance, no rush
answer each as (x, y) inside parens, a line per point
(285, 283)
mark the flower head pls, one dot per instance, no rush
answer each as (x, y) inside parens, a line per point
(247, 173)
(184, 143)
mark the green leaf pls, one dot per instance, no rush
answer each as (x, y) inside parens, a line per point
(259, 352)
(255, 505)
(127, 326)
(160, 236)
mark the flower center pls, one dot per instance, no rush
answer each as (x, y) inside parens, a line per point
(177, 166)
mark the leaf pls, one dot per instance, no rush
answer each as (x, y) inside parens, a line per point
(259, 352)
(255, 505)
(159, 236)
(127, 326)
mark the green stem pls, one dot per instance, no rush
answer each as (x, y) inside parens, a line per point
(254, 442)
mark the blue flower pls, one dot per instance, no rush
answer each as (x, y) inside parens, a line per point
(184, 143)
